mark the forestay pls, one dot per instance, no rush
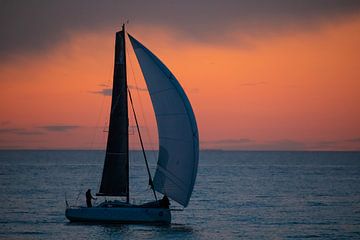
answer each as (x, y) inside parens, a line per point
(178, 135)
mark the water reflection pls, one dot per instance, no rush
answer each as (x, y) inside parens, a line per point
(114, 230)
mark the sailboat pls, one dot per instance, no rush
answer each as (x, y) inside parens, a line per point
(178, 144)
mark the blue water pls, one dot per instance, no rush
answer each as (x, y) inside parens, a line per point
(249, 195)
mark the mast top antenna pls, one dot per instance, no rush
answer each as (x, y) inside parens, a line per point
(125, 23)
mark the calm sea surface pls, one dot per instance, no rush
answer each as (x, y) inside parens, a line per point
(249, 195)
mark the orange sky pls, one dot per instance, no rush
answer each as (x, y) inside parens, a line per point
(295, 90)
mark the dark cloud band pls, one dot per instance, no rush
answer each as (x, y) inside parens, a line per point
(59, 128)
(36, 26)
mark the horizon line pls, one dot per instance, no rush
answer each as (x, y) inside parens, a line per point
(206, 149)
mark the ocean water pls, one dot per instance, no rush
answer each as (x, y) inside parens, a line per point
(237, 195)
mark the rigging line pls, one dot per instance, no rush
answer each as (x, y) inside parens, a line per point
(139, 97)
(108, 80)
(142, 107)
(105, 125)
(94, 134)
(142, 147)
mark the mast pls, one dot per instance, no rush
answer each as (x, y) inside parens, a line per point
(115, 178)
(127, 117)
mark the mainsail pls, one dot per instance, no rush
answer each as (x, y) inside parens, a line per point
(115, 178)
(178, 135)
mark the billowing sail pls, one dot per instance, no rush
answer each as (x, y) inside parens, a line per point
(178, 135)
(115, 178)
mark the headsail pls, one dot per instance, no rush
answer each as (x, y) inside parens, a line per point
(115, 178)
(178, 135)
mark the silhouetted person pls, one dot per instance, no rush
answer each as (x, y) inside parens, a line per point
(164, 202)
(88, 198)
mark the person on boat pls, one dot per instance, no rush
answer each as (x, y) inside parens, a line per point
(164, 202)
(89, 197)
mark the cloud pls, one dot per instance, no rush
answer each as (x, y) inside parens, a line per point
(250, 144)
(19, 131)
(285, 145)
(9, 130)
(29, 132)
(59, 128)
(326, 144)
(36, 26)
(36, 130)
(104, 91)
(342, 144)
(353, 140)
(253, 145)
(108, 91)
(137, 88)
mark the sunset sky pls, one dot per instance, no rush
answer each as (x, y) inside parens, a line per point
(260, 75)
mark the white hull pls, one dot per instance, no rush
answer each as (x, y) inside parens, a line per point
(124, 214)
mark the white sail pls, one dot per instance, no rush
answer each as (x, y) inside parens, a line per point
(178, 135)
